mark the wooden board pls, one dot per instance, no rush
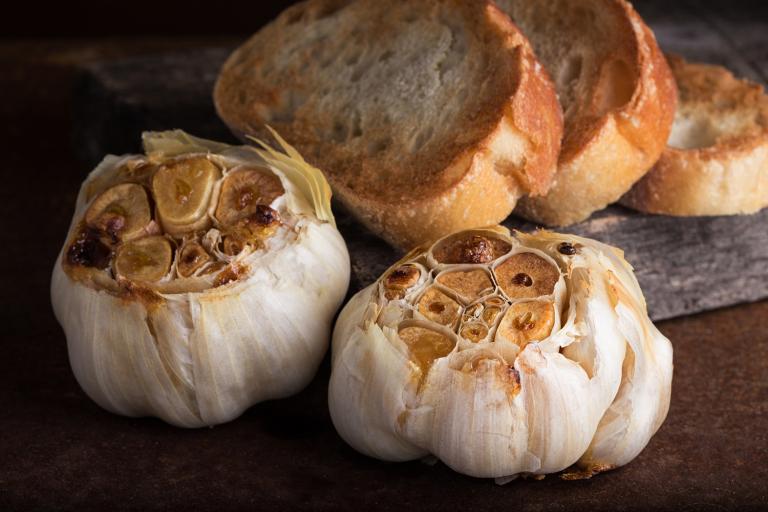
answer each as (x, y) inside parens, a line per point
(685, 265)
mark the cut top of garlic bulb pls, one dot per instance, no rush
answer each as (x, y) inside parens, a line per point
(502, 355)
(198, 279)
(188, 215)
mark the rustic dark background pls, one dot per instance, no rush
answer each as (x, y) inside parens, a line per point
(59, 451)
(157, 18)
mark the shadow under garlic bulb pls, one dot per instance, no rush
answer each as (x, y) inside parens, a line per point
(502, 356)
(199, 279)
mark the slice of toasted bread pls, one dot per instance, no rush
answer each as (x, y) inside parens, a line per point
(716, 162)
(618, 97)
(427, 117)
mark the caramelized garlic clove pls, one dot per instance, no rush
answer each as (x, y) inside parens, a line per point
(87, 250)
(145, 259)
(474, 331)
(526, 322)
(122, 212)
(469, 285)
(258, 226)
(192, 257)
(397, 283)
(182, 190)
(243, 191)
(439, 307)
(526, 275)
(470, 247)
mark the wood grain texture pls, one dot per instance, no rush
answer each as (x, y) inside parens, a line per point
(684, 265)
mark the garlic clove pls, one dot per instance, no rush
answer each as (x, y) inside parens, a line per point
(469, 285)
(258, 226)
(88, 250)
(122, 212)
(400, 280)
(525, 322)
(642, 399)
(192, 257)
(491, 311)
(474, 331)
(232, 245)
(145, 259)
(365, 357)
(243, 191)
(425, 345)
(182, 189)
(470, 247)
(526, 275)
(438, 307)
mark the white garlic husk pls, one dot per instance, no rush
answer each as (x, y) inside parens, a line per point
(553, 365)
(199, 345)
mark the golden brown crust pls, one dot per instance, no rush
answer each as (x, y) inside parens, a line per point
(717, 160)
(610, 143)
(501, 142)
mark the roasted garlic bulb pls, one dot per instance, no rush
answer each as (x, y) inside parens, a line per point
(502, 356)
(199, 279)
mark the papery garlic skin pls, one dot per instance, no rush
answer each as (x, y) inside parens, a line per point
(200, 350)
(591, 393)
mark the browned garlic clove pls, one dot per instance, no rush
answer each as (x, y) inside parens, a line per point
(232, 245)
(468, 284)
(526, 275)
(121, 212)
(258, 226)
(192, 257)
(468, 247)
(243, 191)
(87, 250)
(399, 280)
(145, 259)
(525, 322)
(182, 189)
(439, 307)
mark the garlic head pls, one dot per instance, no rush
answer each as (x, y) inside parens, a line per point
(198, 279)
(502, 355)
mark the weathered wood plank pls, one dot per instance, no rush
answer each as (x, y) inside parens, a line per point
(685, 265)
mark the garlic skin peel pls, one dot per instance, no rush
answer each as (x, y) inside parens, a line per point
(555, 365)
(195, 323)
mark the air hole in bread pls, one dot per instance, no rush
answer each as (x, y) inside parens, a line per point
(690, 132)
(569, 72)
(615, 88)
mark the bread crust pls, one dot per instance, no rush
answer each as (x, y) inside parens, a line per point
(605, 151)
(725, 171)
(505, 146)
